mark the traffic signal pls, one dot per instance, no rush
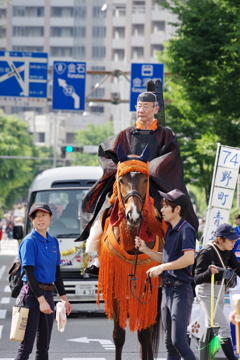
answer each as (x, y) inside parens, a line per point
(70, 149)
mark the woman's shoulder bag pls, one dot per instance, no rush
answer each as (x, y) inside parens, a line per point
(15, 277)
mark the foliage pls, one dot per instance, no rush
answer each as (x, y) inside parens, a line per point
(203, 59)
(15, 141)
(16, 175)
(93, 135)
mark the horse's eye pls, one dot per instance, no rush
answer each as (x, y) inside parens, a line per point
(121, 181)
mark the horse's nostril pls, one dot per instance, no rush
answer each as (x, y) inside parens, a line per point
(129, 216)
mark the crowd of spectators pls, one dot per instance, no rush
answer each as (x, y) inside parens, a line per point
(11, 218)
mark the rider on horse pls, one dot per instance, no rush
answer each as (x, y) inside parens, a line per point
(166, 171)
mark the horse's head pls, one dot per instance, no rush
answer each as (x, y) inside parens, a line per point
(132, 182)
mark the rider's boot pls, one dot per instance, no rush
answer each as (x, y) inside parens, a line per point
(94, 268)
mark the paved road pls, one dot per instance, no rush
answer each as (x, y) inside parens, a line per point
(87, 336)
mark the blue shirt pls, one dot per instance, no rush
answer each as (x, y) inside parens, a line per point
(177, 240)
(43, 254)
(236, 249)
(237, 229)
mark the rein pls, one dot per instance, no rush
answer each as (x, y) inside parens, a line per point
(133, 279)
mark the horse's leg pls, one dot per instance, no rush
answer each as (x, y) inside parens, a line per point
(145, 339)
(118, 333)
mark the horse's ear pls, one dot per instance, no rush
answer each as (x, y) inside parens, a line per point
(145, 154)
(121, 154)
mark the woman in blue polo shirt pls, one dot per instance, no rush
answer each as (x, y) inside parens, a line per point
(40, 258)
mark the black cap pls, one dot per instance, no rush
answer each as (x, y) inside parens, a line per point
(227, 231)
(176, 196)
(40, 206)
(147, 97)
(238, 216)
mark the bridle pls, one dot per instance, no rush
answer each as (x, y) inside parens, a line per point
(133, 193)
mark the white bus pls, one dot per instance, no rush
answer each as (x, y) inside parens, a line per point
(63, 189)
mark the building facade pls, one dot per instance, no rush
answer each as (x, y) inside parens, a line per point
(107, 34)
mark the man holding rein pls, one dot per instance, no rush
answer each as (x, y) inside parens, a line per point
(176, 270)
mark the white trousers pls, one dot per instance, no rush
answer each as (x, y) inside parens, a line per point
(203, 292)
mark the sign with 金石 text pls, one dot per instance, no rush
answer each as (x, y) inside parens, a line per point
(69, 80)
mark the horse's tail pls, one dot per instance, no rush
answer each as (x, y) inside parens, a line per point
(157, 326)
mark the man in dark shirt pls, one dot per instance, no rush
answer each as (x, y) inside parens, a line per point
(175, 268)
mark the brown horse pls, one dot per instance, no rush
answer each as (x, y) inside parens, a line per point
(122, 274)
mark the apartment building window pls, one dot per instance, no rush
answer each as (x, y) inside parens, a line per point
(40, 137)
(98, 68)
(70, 138)
(98, 52)
(138, 7)
(138, 30)
(28, 11)
(28, 48)
(3, 13)
(119, 32)
(61, 31)
(3, 33)
(61, 51)
(138, 3)
(97, 12)
(28, 31)
(99, 31)
(79, 52)
(157, 4)
(80, 31)
(96, 109)
(119, 11)
(98, 93)
(80, 12)
(137, 53)
(118, 54)
(61, 11)
(158, 26)
(155, 48)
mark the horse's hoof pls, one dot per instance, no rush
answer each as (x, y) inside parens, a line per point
(92, 270)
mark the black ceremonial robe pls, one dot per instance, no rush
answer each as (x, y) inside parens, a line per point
(166, 172)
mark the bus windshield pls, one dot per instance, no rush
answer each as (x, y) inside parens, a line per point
(65, 207)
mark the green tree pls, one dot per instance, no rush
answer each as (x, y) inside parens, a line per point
(15, 174)
(93, 135)
(203, 59)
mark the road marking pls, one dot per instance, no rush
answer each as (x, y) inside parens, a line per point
(5, 300)
(107, 344)
(3, 314)
(8, 290)
(86, 340)
(2, 269)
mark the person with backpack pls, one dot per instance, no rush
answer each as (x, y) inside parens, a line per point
(219, 253)
(40, 259)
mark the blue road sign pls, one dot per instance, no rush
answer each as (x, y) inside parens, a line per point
(140, 74)
(69, 80)
(23, 78)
